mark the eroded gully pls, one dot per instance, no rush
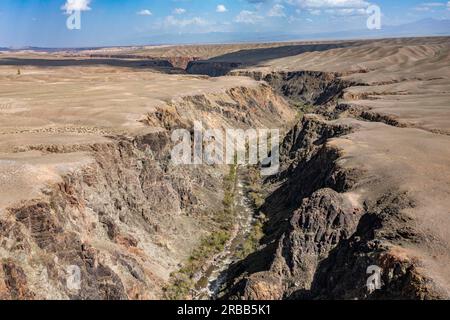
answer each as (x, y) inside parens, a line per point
(210, 282)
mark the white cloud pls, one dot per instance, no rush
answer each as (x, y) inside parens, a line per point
(248, 17)
(422, 9)
(333, 7)
(179, 11)
(430, 6)
(293, 19)
(171, 21)
(347, 12)
(328, 4)
(277, 11)
(448, 5)
(221, 8)
(144, 12)
(314, 12)
(433, 4)
(76, 5)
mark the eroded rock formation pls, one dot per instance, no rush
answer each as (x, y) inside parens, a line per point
(363, 180)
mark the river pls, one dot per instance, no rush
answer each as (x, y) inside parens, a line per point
(215, 276)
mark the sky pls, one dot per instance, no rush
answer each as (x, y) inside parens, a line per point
(123, 22)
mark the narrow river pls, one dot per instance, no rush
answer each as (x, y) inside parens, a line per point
(212, 280)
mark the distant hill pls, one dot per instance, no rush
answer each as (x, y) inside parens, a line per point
(426, 27)
(422, 27)
(37, 49)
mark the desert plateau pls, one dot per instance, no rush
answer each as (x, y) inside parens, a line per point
(86, 178)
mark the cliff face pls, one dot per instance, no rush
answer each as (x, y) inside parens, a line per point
(212, 69)
(178, 62)
(110, 218)
(320, 238)
(312, 87)
(330, 217)
(123, 213)
(307, 211)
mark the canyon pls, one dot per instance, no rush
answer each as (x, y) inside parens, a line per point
(86, 177)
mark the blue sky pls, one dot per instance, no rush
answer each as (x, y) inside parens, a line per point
(119, 22)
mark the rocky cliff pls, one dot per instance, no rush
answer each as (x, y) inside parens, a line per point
(118, 209)
(334, 212)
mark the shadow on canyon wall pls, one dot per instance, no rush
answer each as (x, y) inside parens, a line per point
(156, 64)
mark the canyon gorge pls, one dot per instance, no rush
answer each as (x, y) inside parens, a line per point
(86, 177)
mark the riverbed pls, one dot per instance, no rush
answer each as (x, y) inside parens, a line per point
(215, 276)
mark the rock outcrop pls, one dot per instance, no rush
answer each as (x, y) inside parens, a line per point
(351, 196)
(118, 211)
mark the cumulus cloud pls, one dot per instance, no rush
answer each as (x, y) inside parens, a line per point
(329, 4)
(179, 11)
(221, 8)
(333, 7)
(144, 12)
(248, 17)
(76, 5)
(277, 11)
(171, 21)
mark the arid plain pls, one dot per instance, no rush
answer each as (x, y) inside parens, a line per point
(86, 178)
